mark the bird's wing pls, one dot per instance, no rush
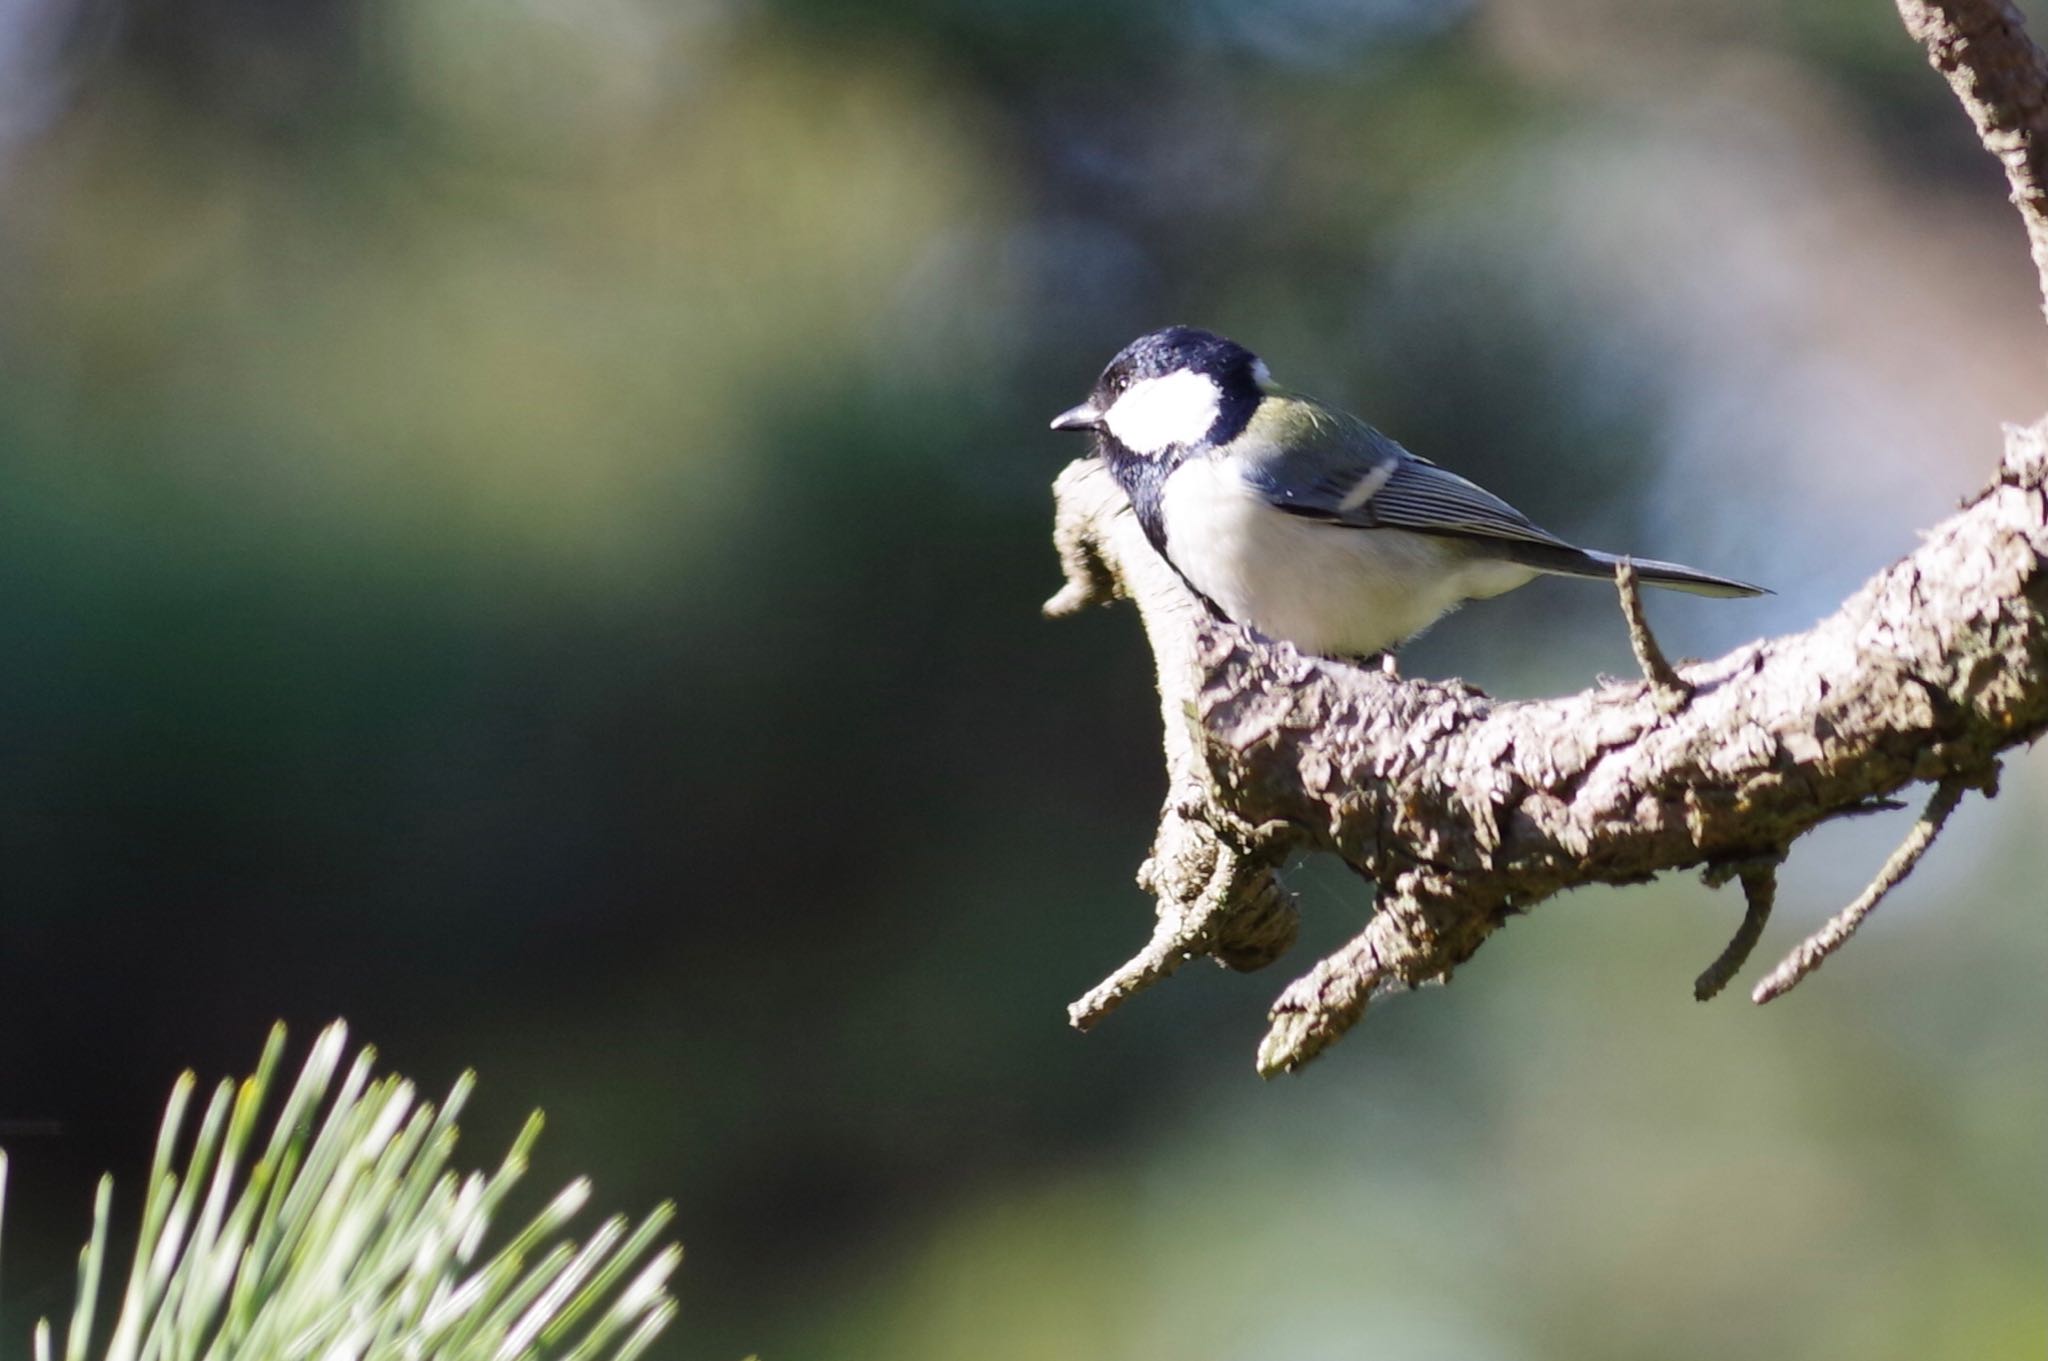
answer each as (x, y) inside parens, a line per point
(1310, 461)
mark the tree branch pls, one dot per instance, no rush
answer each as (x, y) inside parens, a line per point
(1211, 873)
(1465, 813)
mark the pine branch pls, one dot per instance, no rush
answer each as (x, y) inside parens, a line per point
(354, 1241)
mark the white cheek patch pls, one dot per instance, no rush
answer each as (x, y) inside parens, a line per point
(1156, 412)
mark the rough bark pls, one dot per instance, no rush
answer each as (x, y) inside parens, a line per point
(1465, 812)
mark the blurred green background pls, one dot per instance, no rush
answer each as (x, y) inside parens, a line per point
(522, 523)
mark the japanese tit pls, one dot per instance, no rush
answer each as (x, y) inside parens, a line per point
(1303, 522)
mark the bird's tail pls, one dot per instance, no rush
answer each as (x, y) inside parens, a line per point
(1585, 562)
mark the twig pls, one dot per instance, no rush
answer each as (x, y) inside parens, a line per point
(1669, 691)
(1240, 915)
(1759, 893)
(1814, 950)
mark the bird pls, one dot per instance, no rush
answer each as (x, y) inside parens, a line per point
(1304, 523)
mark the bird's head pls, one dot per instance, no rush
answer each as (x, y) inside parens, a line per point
(1171, 390)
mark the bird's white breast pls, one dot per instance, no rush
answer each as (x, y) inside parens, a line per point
(1326, 588)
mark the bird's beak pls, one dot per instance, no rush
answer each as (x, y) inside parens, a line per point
(1082, 417)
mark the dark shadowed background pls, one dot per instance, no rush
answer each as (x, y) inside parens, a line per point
(522, 523)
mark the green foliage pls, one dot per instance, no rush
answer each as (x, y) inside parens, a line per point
(348, 1236)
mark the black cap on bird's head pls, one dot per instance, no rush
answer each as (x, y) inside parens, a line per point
(1171, 388)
